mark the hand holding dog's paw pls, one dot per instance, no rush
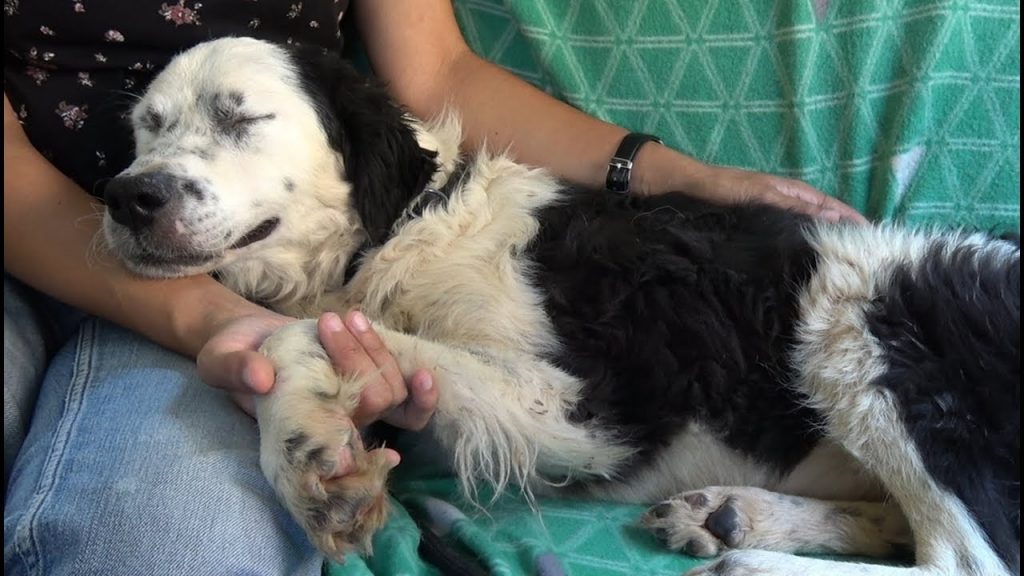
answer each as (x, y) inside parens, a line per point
(229, 358)
(355, 348)
(311, 448)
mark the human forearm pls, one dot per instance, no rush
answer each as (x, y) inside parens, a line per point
(504, 112)
(50, 242)
(499, 109)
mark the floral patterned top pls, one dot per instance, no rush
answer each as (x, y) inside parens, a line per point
(73, 67)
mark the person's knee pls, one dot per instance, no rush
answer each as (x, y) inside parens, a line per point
(134, 466)
(138, 529)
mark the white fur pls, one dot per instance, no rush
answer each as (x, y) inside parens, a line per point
(771, 521)
(693, 460)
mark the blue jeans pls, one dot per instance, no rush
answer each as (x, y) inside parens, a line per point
(131, 465)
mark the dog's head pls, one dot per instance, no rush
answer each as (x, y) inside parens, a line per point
(251, 152)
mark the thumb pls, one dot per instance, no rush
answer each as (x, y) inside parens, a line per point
(243, 370)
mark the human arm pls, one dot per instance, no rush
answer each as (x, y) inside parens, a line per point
(416, 47)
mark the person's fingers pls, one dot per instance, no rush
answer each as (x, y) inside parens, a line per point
(245, 371)
(815, 202)
(846, 211)
(416, 411)
(349, 357)
(345, 462)
(360, 327)
(392, 457)
(787, 201)
(346, 353)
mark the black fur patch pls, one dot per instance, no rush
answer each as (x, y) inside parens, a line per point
(674, 311)
(152, 121)
(950, 328)
(383, 160)
(293, 445)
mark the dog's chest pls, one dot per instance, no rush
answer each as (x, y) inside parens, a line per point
(457, 273)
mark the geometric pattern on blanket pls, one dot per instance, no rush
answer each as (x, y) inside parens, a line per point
(907, 110)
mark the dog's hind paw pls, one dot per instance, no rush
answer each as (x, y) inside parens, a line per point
(701, 523)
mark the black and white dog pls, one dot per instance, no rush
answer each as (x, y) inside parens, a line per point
(779, 385)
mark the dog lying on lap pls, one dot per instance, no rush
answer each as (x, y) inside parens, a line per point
(771, 384)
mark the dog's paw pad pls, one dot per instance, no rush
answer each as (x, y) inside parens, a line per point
(725, 523)
(700, 523)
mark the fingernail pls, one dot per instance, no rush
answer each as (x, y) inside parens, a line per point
(426, 383)
(359, 322)
(333, 322)
(248, 379)
(831, 215)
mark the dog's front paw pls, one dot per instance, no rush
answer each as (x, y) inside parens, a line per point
(332, 485)
(311, 450)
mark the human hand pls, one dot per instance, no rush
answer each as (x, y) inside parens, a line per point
(731, 185)
(354, 346)
(661, 169)
(230, 360)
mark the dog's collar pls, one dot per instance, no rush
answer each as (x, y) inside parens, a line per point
(430, 197)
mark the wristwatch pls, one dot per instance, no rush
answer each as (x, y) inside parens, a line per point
(620, 167)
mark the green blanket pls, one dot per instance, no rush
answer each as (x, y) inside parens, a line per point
(908, 111)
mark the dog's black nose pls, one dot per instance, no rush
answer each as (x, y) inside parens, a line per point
(134, 201)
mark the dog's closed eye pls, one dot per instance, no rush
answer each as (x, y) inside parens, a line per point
(152, 121)
(237, 121)
(237, 124)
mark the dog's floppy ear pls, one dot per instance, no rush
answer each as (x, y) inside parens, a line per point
(383, 161)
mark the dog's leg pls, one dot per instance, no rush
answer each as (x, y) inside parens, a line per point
(765, 563)
(706, 522)
(311, 451)
(946, 539)
(866, 421)
(843, 375)
(502, 418)
(505, 417)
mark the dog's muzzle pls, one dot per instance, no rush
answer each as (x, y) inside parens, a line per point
(136, 201)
